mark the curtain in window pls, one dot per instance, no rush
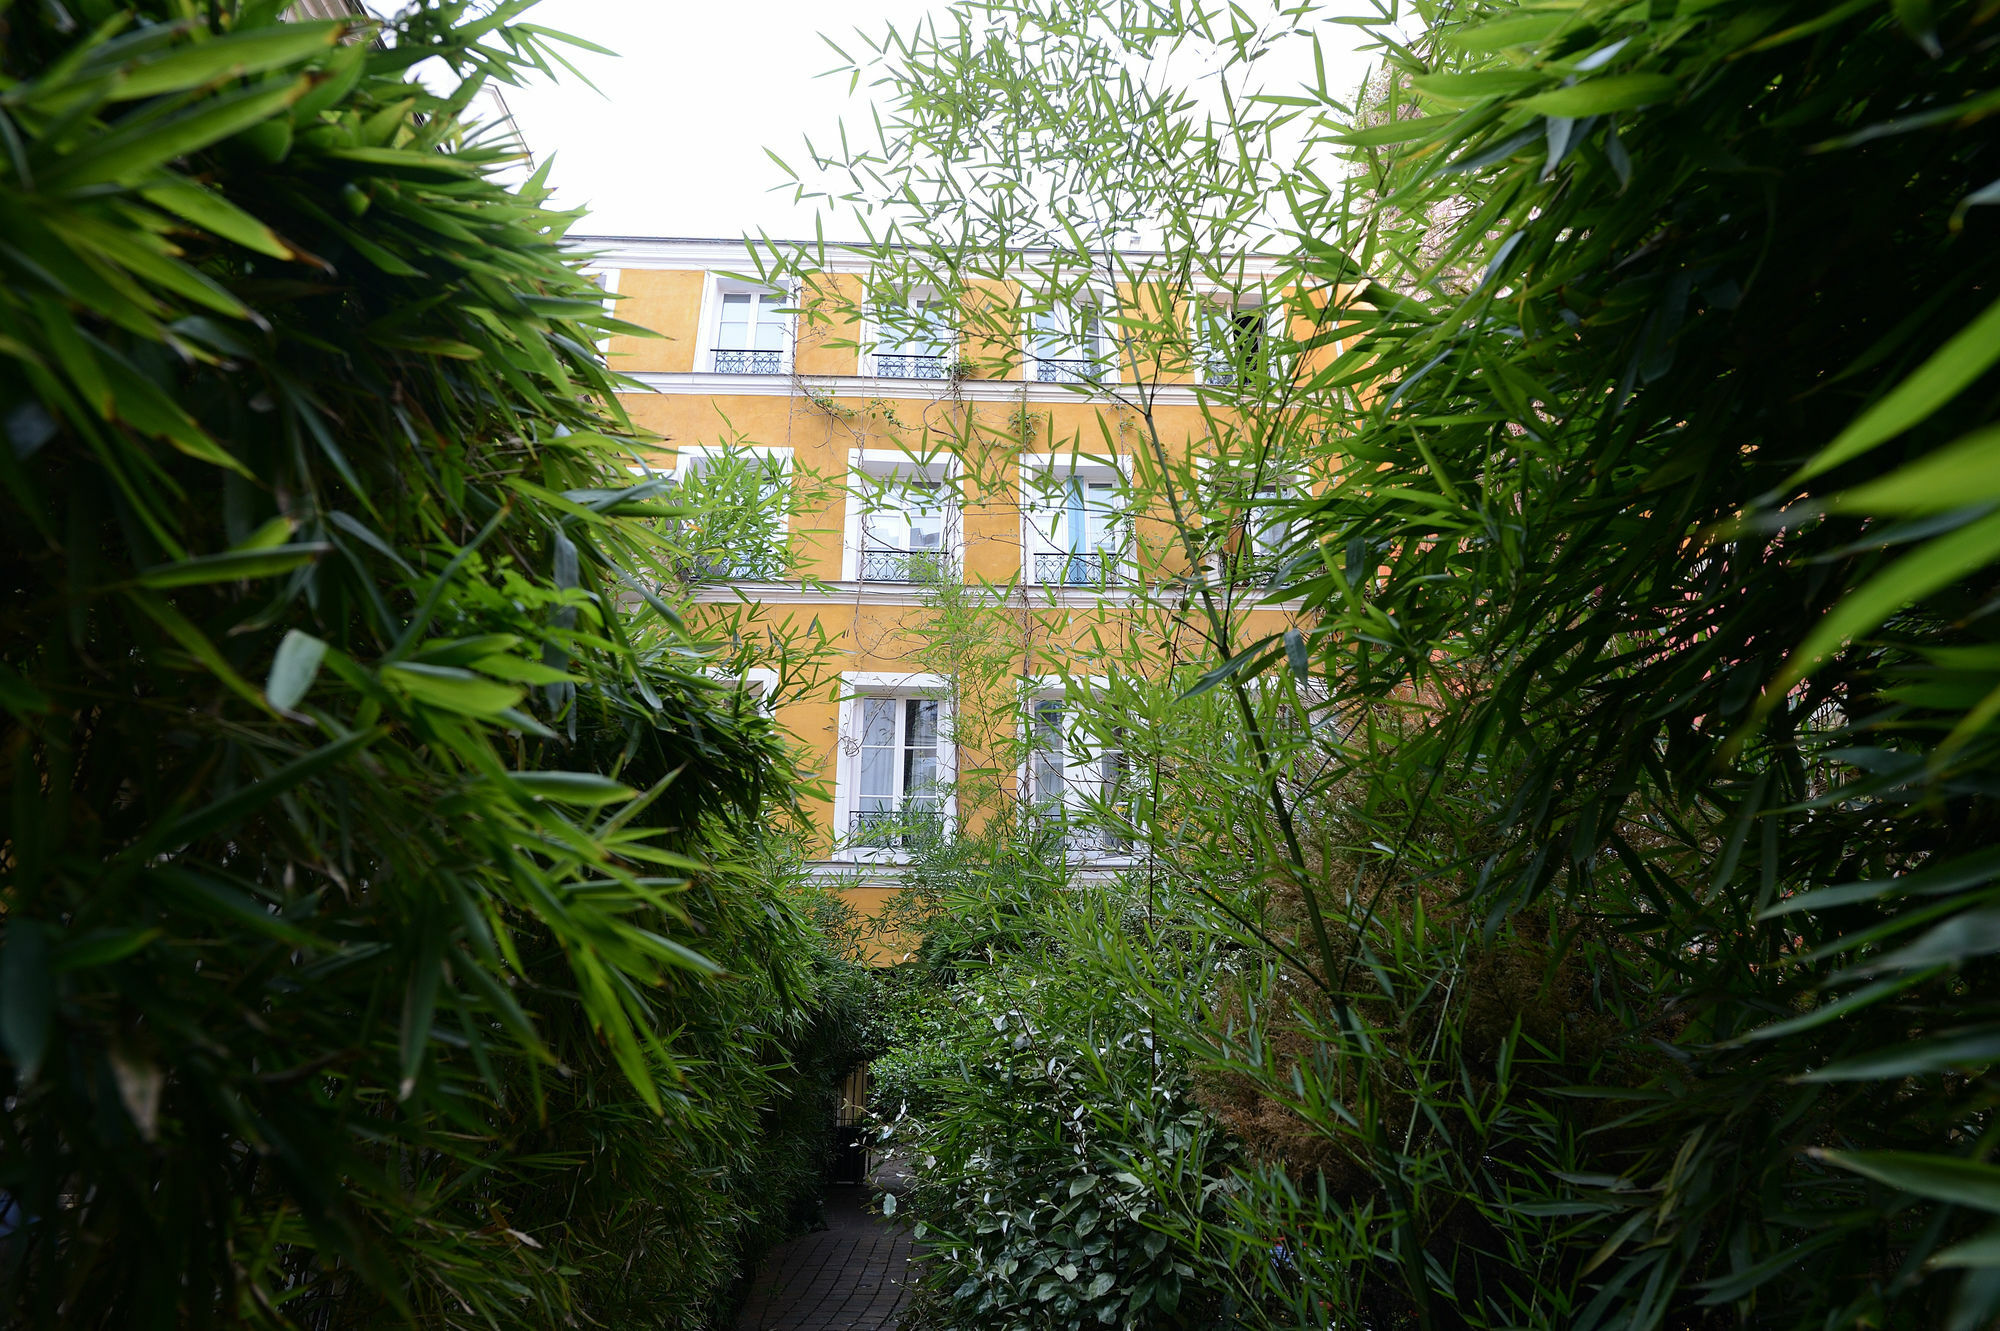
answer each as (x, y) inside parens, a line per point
(1048, 774)
(875, 786)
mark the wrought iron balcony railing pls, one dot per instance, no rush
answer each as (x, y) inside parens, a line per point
(894, 829)
(1078, 839)
(736, 360)
(1075, 570)
(1229, 371)
(755, 565)
(1068, 370)
(905, 566)
(900, 366)
(1243, 569)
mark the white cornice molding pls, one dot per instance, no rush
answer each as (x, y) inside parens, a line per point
(860, 389)
(848, 592)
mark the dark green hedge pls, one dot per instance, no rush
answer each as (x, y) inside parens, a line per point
(381, 940)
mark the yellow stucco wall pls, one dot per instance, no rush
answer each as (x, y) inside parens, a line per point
(669, 303)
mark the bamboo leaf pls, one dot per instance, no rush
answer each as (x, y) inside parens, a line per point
(233, 565)
(293, 669)
(451, 688)
(586, 788)
(124, 155)
(1938, 1177)
(1601, 96)
(1964, 472)
(27, 995)
(1936, 564)
(230, 56)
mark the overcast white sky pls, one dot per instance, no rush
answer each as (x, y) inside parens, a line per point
(673, 142)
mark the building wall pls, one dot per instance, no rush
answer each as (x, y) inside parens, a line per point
(824, 413)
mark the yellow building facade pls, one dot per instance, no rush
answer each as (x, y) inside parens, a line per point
(956, 503)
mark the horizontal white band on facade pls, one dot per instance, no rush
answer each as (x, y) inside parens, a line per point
(858, 389)
(717, 254)
(838, 874)
(849, 592)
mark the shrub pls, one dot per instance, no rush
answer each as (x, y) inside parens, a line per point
(1036, 1108)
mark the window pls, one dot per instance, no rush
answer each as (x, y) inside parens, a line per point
(750, 332)
(1048, 760)
(896, 782)
(740, 501)
(1076, 526)
(915, 340)
(1066, 773)
(1066, 345)
(902, 518)
(1256, 495)
(755, 688)
(1233, 339)
(1265, 535)
(903, 534)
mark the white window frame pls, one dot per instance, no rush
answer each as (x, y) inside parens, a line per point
(1091, 470)
(855, 685)
(1270, 306)
(709, 331)
(870, 468)
(873, 333)
(1083, 765)
(760, 683)
(606, 280)
(689, 458)
(1103, 347)
(1289, 483)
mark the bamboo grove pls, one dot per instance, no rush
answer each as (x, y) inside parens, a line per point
(391, 930)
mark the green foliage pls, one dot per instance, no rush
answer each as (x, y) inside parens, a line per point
(1618, 952)
(736, 504)
(1031, 1094)
(389, 935)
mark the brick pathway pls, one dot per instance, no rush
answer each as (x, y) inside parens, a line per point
(847, 1277)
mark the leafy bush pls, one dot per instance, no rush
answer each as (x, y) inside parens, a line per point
(1025, 1095)
(381, 941)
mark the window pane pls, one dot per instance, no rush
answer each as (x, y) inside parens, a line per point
(884, 531)
(920, 780)
(920, 740)
(934, 332)
(1045, 500)
(1102, 503)
(1268, 530)
(1051, 341)
(878, 722)
(877, 780)
(735, 321)
(924, 506)
(922, 724)
(1046, 771)
(927, 532)
(770, 323)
